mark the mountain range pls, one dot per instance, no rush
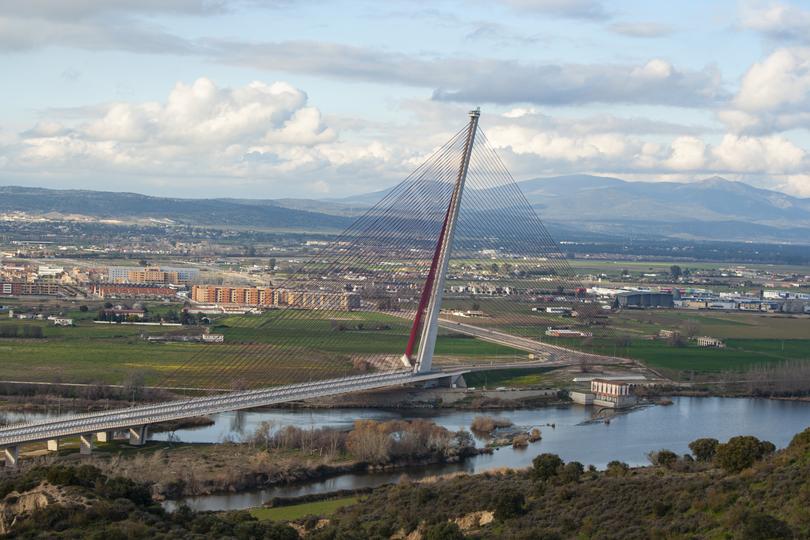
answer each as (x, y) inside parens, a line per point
(711, 209)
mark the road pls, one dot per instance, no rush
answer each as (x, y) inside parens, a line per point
(555, 355)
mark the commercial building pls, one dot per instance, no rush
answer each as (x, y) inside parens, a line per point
(160, 275)
(644, 299)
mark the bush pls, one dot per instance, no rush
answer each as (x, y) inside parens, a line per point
(765, 527)
(742, 452)
(617, 468)
(704, 449)
(546, 466)
(664, 458)
(488, 424)
(508, 504)
(572, 472)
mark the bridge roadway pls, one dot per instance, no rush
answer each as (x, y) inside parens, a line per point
(143, 415)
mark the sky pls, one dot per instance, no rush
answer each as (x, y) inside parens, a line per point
(309, 98)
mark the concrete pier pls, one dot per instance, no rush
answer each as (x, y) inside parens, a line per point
(105, 436)
(53, 445)
(137, 435)
(86, 444)
(12, 455)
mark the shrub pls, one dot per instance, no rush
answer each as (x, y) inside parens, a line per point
(742, 452)
(508, 504)
(572, 471)
(765, 527)
(617, 468)
(704, 449)
(488, 424)
(546, 466)
(664, 458)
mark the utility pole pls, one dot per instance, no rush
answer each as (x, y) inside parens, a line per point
(427, 340)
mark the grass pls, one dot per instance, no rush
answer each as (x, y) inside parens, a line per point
(518, 378)
(288, 513)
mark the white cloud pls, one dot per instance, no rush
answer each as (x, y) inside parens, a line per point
(774, 94)
(777, 20)
(201, 130)
(688, 153)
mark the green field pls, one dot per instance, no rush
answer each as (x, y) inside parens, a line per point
(513, 378)
(273, 348)
(298, 511)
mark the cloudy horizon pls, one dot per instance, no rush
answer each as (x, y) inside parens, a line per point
(302, 98)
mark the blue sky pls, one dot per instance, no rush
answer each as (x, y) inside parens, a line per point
(312, 98)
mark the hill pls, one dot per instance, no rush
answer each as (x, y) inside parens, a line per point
(133, 206)
(597, 206)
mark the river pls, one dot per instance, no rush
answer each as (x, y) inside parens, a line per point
(574, 437)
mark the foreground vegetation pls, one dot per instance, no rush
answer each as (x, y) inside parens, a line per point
(738, 489)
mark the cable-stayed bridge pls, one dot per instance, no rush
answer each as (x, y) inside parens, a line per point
(394, 263)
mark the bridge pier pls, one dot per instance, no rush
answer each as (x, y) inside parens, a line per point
(105, 436)
(86, 444)
(137, 435)
(53, 445)
(12, 455)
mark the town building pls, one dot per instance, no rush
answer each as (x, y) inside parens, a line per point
(131, 290)
(159, 275)
(16, 288)
(271, 297)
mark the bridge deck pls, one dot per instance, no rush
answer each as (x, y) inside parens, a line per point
(120, 419)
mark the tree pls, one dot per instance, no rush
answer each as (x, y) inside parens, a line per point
(83, 308)
(495, 268)
(742, 452)
(704, 449)
(675, 271)
(617, 468)
(664, 458)
(509, 503)
(546, 466)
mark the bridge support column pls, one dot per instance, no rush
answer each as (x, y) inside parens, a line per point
(105, 436)
(12, 455)
(86, 444)
(137, 435)
(53, 445)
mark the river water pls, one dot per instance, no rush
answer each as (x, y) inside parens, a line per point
(574, 437)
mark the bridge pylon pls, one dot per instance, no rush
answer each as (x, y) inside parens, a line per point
(425, 324)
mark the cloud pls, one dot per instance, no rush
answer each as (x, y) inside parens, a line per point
(774, 94)
(487, 80)
(777, 21)
(200, 132)
(575, 9)
(641, 29)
